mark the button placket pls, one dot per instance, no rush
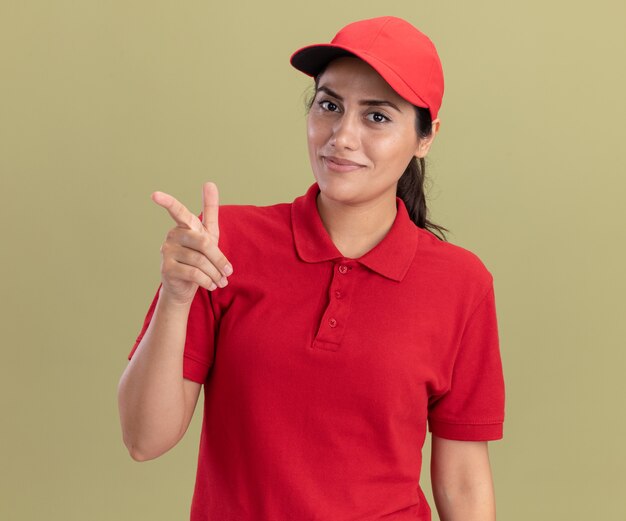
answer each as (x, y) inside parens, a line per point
(335, 317)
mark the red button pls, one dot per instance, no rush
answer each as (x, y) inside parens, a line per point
(332, 322)
(338, 294)
(343, 269)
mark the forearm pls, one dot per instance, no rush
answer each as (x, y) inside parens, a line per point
(150, 393)
(473, 501)
(461, 479)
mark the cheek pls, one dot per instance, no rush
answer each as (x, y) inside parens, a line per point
(313, 139)
(311, 142)
(394, 150)
(385, 146)
(319, 127)
(310, 130)
(314, 130)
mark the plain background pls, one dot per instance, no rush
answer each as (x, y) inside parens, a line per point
(102, 103)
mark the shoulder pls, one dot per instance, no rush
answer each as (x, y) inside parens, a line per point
(453, 265)
(246, 230)
(237, 220)
(270, 215)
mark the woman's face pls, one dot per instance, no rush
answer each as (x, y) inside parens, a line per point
(357, 117)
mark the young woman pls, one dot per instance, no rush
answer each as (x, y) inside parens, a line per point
(331, 332)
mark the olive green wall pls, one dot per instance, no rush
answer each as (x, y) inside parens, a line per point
(101, 103)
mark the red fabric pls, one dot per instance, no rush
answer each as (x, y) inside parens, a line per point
(321, 373)
(403, 55)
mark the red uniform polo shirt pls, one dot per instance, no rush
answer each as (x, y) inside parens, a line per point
(322, 372)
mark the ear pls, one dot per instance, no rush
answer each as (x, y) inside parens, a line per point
(424, 144)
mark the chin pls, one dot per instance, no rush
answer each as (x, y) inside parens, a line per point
(337, 188)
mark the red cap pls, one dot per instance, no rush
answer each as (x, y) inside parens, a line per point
(404, 56)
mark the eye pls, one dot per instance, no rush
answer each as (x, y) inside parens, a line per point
(331, 106)
(378, 117)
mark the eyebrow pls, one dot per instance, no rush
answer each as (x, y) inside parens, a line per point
(368, 102)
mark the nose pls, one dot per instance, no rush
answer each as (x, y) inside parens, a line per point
(345, 133)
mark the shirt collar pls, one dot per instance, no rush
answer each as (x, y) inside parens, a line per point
(391, 257)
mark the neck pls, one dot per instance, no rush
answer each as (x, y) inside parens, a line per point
(355, 230)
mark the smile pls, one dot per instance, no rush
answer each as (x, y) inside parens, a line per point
(337, 167)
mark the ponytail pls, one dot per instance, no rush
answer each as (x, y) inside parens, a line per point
(411, 183)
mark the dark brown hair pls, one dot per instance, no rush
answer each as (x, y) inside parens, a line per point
(411, 183)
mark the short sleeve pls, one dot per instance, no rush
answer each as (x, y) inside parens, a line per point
(473, 407)
(200, 338)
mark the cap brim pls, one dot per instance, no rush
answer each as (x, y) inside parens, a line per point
(313, 58)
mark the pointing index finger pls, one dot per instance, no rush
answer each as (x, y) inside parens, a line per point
(183, 217)
(210, 204)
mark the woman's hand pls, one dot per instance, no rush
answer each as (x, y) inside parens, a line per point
(190, 252)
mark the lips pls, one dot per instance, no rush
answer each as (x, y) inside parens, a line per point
(337, 164)
(340, 161)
